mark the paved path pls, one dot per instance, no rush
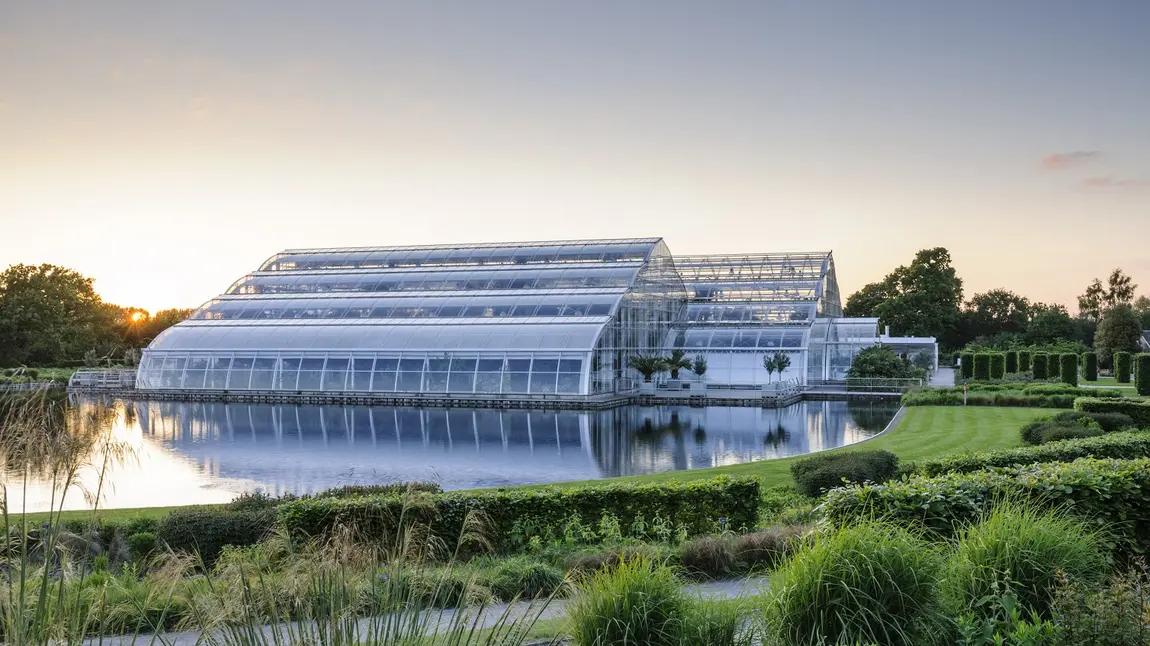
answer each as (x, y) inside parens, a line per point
(434, 621)
(942, 378)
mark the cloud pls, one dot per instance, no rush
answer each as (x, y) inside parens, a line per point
(1110, 181)
(1060, 161)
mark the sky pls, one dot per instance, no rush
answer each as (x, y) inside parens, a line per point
(166, 149)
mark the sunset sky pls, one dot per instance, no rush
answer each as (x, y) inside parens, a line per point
(167, 148)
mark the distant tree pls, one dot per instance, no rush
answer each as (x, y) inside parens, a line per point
(998, 311)
(1119, 331)
(880, 361)
(1142, 309)
(1049, 324)
(864, 303)
(138, 328)
(700, 366)
(676, 362)
(1119, 290)
(919, 299)
(782, 361)
(647, 365)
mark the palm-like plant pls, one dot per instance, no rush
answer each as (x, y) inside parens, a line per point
(647, 365)
(676, 362)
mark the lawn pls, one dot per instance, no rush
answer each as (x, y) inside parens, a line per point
(1112, 384)
(924, 432)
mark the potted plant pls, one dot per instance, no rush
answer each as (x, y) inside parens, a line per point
(648, 366)
(674, 363)
(699, 367)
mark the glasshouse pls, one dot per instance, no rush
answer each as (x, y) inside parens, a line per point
(539, 318)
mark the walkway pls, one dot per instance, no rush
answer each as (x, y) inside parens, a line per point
(942, 378)
(491, 615)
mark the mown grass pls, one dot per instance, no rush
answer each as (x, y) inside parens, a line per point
(925, 432)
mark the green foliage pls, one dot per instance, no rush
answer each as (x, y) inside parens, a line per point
(647, 365)
(982, 366)
(1142, 374)
(823, 471)
(636, 603)
(708, 557)
(514, 515)
(50, 315)
(1117, 614)
(1024, 360)
(869, 583)
(712, 623)
(207, 531)
(997, 365)
(1117, 445)
(1038, 365)
(1107, 492)
(1007, 395)
(1138, 411)
(1119, 331)
(1069, 363)
(676, 362)
(393, 488)
(141, 545)
(1122, 367)
(1090, 366)
(1025, 550)
(1108, 422)
(968, 365)
(764, 549)
(699, 367)
(1011, 362)
(524, 578)
(777, 362)
(1038, 433)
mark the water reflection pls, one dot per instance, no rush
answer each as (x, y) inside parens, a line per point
(190, 453)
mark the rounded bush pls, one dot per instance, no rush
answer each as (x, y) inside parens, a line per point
(520, 578)
(141, 545)
(1024, 550)
(1058, 432)
(1108, 422)
(866, 583)
(708, 557)
(821, 472)
(635, 603)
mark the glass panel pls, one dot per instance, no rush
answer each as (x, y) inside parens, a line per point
(461, 382)
(335, 373)
(241, 374)
(435, 382)
(515, 382)
(310, 374)
(722, 339)
(746, 338)
(289, 373)
(568, 383)
(697, 338)
(571, 365)
(545, 365)
(263, 373)
(542, 382)
(360, 375)
(218, 375)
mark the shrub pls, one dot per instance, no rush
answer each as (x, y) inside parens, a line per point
(766, 548)
(694, 506)
(1012, 362)
(997, 365)
(824, 471)
(206, 531)
(1137, 411)
(708, 557)
(394, 488)
(523, 578)
(1024, 361)
(635, 603)
(866, 583)
(1038, 366)
(982, 366)
(1059, 432)
(1090, 366)
(1066, 389)
(710, 623)
(141, 545)
(1023, 550)
(1111, 492)
(1116, 445)
(1142, 374)
(1016, 398)
(1069, 363)
(1122, 365)
(1108, 422)
(967, 365)
(1117, 614)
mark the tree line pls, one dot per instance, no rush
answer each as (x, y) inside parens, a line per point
(52, 316)
(925, 298)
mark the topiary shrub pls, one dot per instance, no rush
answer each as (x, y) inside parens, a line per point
(1024, 361)
(1142, 374)
(982, 366)
(1012, 362)
(1090, 366)
(1038, 365)
(523, 578)
(997, 366)
(1023, 550)
(1122, 365)
(1108, 422)
(821, 472)
(141, 545)
(967, 365)
(206, 531)
(635, 603)
(870, 583)
(1069, 363)
(1137, 411)
(709, 557)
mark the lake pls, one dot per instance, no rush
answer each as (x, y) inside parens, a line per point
(199, 453)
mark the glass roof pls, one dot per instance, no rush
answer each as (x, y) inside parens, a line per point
(749, 339)
(458, 279)
(755, 277)
(492, 304)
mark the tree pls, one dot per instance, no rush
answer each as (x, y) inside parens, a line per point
(676, 362)
(1049, 324)
(879, 361)
(1119, 290)
(865, 301)
(782, 361)
(647, 365)
(998, 311)
(1142, 309)
(1119, 331)
(919, 299)
(51, 315)
(700, 366)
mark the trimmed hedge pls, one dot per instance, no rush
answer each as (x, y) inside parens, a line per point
(1122, 366)
(1069, 364)
(1109, 422)
(1012, 362)
(982, 366)
(1024, 361)
(967, 365)
(1115, 493)
(1132, 444)
(1142, 374)
(997, 365)
(1090, 366)
(1031, 396)
(820, 472)
(1139, 411)
(207, 530)
(1038, 366)
(697, 506)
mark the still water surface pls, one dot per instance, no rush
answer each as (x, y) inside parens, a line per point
(199, 453)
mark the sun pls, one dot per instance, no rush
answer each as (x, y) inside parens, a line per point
(138, 316)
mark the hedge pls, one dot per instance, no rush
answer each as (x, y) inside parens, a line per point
(1012, 362)
(982, 366)
(1110, 492)
(1030, 395)
(1038, 366)
(1142, 374)
(697, 506)
(816, 474)
(1122, 366)
(997, 365)
(1130, 444)
(1090, 366)
(1023, 360)
(967, 365)
(1139, 411)
(1069, 363)
(207, 530)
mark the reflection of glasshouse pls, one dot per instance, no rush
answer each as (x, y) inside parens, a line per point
(527, 318)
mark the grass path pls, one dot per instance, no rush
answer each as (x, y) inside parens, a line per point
(924, 432)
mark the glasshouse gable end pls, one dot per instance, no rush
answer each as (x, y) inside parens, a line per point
(518, 319)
